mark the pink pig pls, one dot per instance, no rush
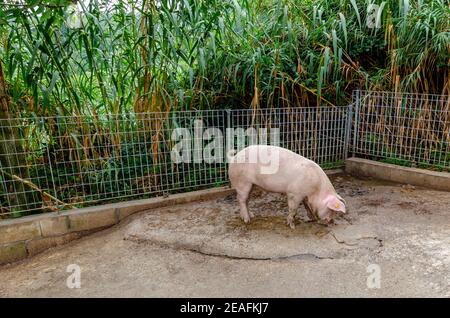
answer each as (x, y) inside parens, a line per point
(276, 169)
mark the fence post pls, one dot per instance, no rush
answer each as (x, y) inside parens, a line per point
(356, 97)
(49, 158)
(348, 128)
(226, 143)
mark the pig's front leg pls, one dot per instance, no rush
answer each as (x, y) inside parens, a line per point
(309, 211)
(293, 203)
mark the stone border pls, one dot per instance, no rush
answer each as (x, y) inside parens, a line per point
(390, 172)
(30, 235)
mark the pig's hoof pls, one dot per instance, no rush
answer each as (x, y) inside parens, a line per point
(291, 223)
(246, 220)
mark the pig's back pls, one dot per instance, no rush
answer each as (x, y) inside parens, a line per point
(293, 171)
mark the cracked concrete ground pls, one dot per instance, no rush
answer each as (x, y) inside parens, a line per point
(202, 249)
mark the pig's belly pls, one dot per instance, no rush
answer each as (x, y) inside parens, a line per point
(271, 183)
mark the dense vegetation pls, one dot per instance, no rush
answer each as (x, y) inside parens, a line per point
(147, 55)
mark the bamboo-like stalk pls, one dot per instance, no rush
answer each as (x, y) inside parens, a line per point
(33, 186)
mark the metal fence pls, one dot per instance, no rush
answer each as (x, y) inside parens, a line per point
(53, 163)
(401, 128)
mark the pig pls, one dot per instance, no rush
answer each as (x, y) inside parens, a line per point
(280, 170)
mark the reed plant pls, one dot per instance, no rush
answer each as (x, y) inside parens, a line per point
(97, 59)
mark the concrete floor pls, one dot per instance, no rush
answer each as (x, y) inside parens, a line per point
(203, 250)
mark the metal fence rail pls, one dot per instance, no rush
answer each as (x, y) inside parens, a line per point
(53, 163)
(400, 128)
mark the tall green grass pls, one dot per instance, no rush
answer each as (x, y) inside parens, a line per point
(153, 55)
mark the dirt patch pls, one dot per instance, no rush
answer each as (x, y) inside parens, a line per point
(406, 205)
(218, 230)
(374, 202)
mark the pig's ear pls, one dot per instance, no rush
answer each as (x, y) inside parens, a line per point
(341, 198)
(333, 203)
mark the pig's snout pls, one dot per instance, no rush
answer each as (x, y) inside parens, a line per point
(334, 215)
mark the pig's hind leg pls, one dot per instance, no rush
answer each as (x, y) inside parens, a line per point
(293, 203)
(243, 191)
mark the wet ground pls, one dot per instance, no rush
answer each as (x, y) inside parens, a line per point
(204, 250)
